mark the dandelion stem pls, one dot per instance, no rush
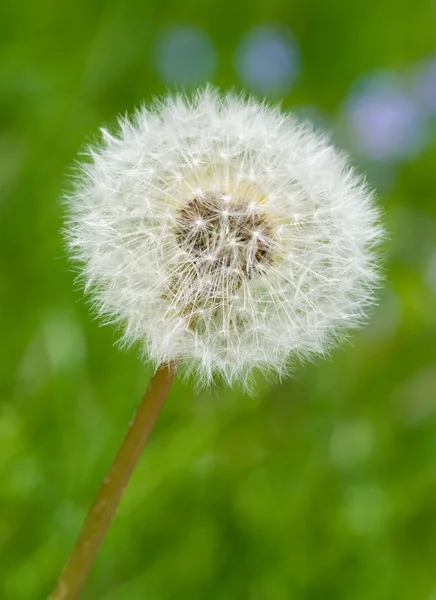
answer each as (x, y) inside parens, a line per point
(105, 504)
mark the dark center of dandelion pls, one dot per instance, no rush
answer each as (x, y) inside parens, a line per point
(225, 237)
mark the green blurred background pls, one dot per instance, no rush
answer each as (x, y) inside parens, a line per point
(323, 487)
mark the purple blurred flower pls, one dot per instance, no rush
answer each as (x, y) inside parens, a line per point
(385, 121)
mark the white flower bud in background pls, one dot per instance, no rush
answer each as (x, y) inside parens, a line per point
(223, 233)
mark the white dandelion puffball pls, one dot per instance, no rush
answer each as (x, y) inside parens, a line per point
(223, 233)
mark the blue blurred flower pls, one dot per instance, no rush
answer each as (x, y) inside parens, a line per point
(185, 55)
(267, 60)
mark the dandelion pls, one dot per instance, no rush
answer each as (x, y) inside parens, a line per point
(224, 236)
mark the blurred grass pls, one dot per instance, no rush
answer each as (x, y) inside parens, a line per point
(321, 487)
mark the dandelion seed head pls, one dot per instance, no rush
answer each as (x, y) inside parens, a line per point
(223, 233)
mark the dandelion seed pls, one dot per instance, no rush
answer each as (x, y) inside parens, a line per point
(225, 234)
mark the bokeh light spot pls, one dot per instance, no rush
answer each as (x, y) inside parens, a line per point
(366, 509)
(430, 273)
(267, 60)
(185, 55)
(351, 443)
(425, 85)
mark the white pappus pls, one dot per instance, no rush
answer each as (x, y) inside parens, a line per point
(223, 233)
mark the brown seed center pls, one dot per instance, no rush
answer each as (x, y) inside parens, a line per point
(230, 236)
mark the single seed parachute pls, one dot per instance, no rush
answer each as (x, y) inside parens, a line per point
(224, 233)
